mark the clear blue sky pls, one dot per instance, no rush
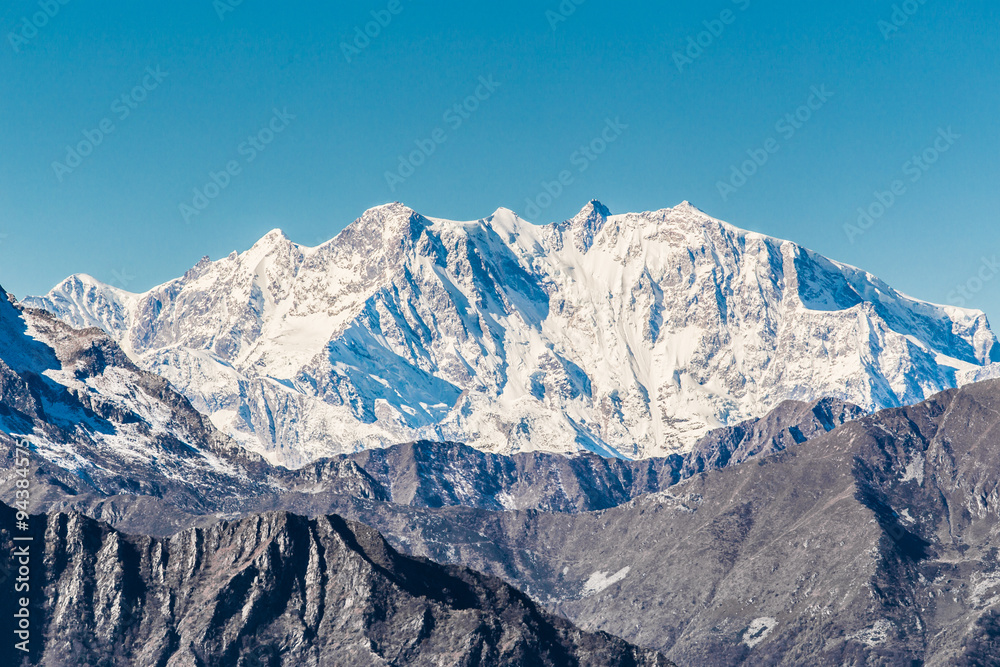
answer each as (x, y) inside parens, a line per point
(117, 214)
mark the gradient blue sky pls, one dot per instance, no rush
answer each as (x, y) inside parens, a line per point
(116, 216)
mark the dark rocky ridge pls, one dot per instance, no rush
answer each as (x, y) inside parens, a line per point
(421, 474)
(429, 474)
(279, 589)
(874, 544)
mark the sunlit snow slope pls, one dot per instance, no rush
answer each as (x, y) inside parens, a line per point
(627, 335)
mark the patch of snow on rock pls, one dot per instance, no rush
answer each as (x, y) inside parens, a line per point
(598, 581)
(758, 630)
(914, 470)
(875, 635)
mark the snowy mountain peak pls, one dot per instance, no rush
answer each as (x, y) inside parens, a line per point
(84, 281)
(586, 224)
(628, 335)
(593, 208)
(84, 301)
(198, 269)
(272, 244)
(503, 212)
(273, 238)
(396, 213)
(384, 228)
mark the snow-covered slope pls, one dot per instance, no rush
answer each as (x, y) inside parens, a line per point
(88, 412)
(627, 335)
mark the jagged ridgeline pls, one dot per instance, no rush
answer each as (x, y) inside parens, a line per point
(279, 589)
(754, 509)
(875, 543)
(629, 335)
(121, 444)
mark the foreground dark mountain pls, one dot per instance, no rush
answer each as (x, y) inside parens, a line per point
(875, 544)
(279, 589)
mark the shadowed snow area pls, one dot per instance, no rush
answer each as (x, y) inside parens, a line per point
(628, 335)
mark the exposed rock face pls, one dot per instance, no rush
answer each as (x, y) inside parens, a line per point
(98, 424)
(629, 334)
(429, 474)
(120, 445)
(814, 535)
(791, 423)
(279, 589)
(876, 543)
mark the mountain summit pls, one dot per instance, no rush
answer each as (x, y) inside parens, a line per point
(628, 335)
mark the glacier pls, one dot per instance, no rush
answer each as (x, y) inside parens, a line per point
(627, 335)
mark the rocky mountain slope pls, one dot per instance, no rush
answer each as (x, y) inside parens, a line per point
(97, 423)
(152, 500)
(119, 444)
(278, 589)
(431, 474)
(874, 544)
(629, 335)
(814, 535)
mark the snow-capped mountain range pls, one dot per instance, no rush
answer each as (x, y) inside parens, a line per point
(628, 335)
